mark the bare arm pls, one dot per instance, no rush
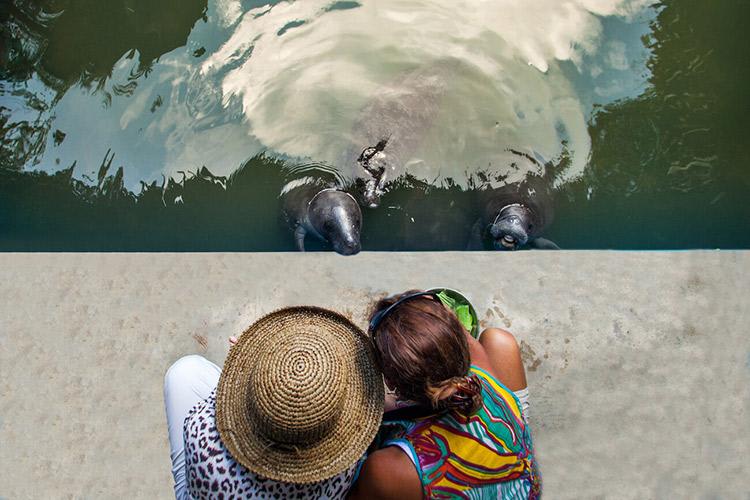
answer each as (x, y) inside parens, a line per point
(388, 474)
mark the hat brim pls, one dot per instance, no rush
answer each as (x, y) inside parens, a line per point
(349, 437)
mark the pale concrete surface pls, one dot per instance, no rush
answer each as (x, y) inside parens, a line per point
(638, 363)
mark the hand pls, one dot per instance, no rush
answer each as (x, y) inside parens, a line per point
(232, 341)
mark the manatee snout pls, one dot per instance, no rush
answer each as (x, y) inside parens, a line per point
(348, 245)
(338, 219)
(510, 232)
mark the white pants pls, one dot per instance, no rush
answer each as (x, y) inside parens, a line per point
(187, 382)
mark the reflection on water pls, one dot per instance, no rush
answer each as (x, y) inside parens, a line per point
(145, 110)
(51, 47)
(670, 166)
(448, 83)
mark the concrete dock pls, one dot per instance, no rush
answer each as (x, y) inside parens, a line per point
(638, 363)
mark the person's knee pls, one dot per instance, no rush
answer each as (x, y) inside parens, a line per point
(184, 367)
(505, 355)
(497, 339)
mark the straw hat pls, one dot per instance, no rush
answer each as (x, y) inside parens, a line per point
(300, 397)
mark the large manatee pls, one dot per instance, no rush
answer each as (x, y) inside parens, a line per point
(325, 212)
(393, 126)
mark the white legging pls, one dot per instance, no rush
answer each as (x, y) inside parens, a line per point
(187, 382)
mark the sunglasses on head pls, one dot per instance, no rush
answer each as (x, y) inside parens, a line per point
(379, 316)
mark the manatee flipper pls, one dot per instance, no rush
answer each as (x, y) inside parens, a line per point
(299, 237)
(543, 244)
(475, 236)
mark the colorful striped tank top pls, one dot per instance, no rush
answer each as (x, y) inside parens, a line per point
(486, 455)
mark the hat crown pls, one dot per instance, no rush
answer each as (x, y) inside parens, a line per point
(299, 387)
(300, 397)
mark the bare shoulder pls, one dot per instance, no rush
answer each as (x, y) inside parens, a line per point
(388, 474)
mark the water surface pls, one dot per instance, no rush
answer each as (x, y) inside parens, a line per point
(134, 125)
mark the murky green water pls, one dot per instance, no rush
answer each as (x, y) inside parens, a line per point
(164, 125)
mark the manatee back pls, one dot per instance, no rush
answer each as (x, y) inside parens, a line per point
(402, 112)
(295, 200)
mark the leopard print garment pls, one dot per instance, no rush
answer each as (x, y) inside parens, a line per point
(212, 472)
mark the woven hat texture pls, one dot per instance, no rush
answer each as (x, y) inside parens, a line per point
(300, 397)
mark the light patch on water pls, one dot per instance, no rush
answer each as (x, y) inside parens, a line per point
(228, 12)
(617, 57)
(189, 130)
(295, 184)
(453, 83)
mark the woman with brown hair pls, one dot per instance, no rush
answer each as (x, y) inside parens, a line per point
(465, 434)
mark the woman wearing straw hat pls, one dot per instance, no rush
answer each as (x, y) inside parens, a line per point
(291, 415)
(466, 435)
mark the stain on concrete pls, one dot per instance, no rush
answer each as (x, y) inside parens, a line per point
(495, 312)
(202, 341)
(632, 311)
(618, 330)
(694, 284)
(529, 357)
(566, 362)
(617, 327)
(573, 314)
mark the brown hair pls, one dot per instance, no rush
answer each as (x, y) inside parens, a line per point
(423, 351)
